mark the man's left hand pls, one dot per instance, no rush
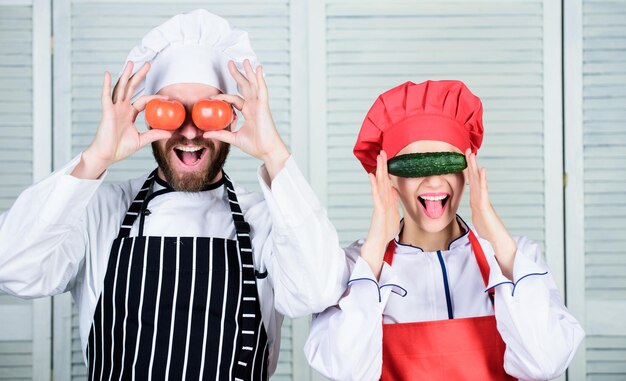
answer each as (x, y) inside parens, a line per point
(258, 135)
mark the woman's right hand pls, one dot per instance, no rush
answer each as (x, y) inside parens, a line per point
(117, 137)
(385, 216)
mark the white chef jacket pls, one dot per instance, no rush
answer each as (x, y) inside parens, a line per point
(58, 235)
(541, 336)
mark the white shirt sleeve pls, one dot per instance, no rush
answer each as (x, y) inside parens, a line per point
(43, 237)
(345, 341)
(541, 335)
(302, 253)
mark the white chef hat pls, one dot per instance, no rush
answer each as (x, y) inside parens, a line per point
(192, 47)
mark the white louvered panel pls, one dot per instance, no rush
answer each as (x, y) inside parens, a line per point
(604, 143)
(495, 48)
(102, 35)
(16, 338)
(16, 93)
(16, 172)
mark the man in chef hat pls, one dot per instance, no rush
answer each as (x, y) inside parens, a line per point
(180, 273)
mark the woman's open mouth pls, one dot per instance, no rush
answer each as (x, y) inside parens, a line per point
(434, 204)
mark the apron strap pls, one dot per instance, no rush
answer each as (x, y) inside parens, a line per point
(391, 247)
(481, 259)
(136, 207)
(479, 254)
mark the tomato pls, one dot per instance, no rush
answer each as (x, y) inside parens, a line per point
(165, 115)
(209, 114)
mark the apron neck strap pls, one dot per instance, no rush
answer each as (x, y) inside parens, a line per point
(479, 254)
(138, 207)
(241, 226)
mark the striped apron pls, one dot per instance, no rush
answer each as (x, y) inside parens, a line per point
(178, 307)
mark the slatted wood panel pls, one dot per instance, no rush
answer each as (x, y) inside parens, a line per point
(102, 34)
(16, 172)
(604, 140)
(496, 48)
(16, 93)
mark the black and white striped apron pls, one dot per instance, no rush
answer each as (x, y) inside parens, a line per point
(178, 307)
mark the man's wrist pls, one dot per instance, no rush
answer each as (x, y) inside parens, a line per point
(89, 167)
(275, 160)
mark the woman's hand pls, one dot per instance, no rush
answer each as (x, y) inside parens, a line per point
(385, 216)
(485, 219)
(117, 137)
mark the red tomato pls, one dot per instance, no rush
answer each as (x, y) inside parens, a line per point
(165, 115)
(209, 114)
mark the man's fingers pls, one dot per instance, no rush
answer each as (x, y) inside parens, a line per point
(106, 90)
(142, 101)
(153, 135)
(120, 88)
(250, 74)
(222, 135)
(242, 82)
(234, 100)
(263, 93)
(136, 79)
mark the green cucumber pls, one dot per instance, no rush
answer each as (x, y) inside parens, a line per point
(426, 164)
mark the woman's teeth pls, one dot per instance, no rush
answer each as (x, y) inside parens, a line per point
(434, 198)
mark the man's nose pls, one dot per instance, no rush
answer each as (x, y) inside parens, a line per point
(188, 129)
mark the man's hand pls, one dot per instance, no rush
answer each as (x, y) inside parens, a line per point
(117, 137)
(486, 220)
(258, 135)
(385, 216)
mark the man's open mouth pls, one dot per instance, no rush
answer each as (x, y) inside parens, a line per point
(434, 204)
(190, 155)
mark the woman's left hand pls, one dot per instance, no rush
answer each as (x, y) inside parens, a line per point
(485, 219)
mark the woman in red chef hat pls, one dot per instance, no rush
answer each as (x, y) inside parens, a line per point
(432, 297)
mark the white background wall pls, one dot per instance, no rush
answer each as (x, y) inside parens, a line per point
(551, 75)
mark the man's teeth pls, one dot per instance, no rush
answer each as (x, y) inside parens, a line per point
(189, 149)
(434, 198)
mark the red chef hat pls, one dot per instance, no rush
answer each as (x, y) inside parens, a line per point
(446, 111)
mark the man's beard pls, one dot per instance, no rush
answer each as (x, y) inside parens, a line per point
(193, 181)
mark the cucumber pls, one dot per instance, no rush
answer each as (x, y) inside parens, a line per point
(426, 164)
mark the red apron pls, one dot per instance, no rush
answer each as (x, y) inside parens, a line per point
(453, 349)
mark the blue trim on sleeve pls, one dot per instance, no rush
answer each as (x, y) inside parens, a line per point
(394, 291)
(514, 283)
(380, 299)
(445, 284)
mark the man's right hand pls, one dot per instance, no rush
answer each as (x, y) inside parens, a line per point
(117, 137)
